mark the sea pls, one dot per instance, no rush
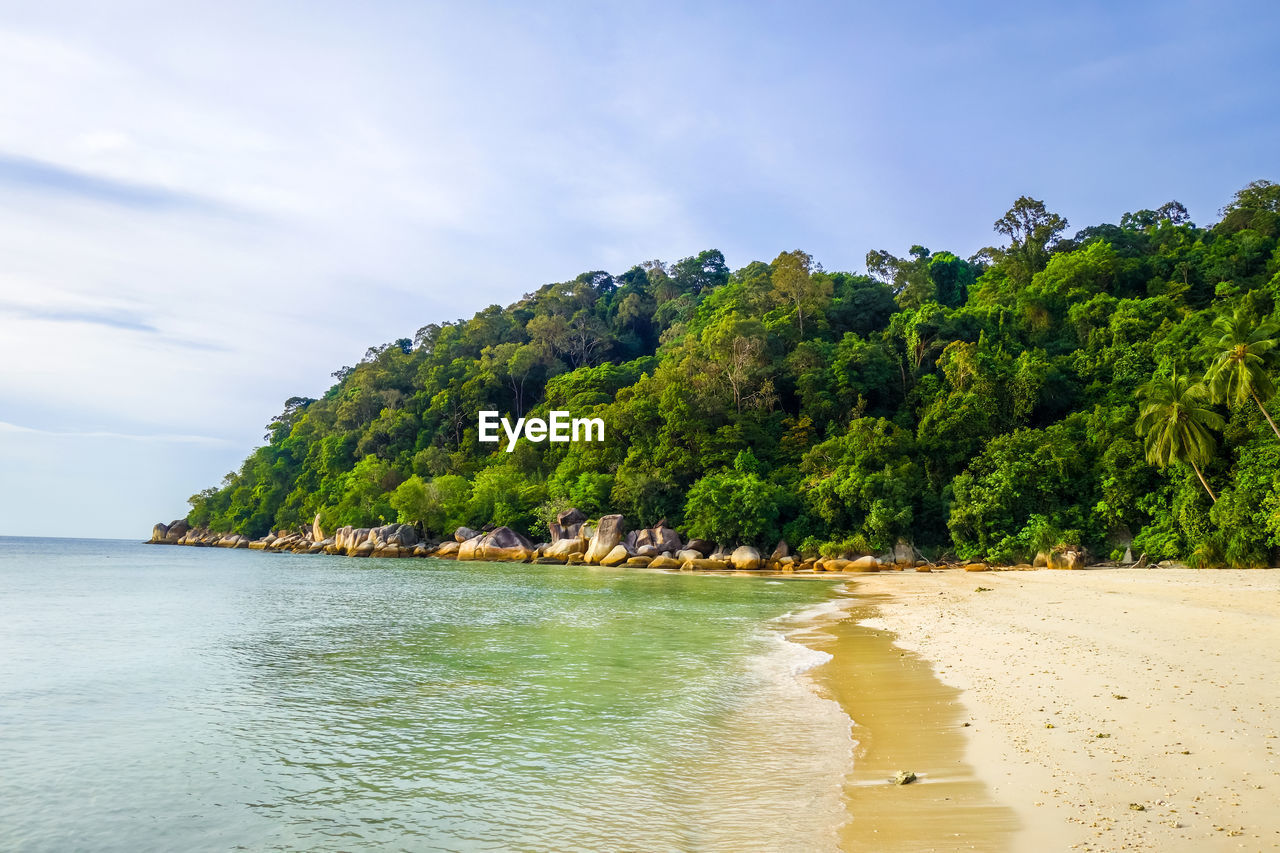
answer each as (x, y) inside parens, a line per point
(187, 699)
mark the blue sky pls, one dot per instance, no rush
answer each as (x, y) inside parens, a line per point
(207, 209)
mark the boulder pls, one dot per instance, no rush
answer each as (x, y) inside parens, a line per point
(688, 554)
(1041, 560)
(1065, 560)
(159, 532)
(568, 525)
(745, 557)
(317, 533)
(503, 544)
(608, 535)
(448, 549)
(702, 546)
(721, 552)
(639, 562)
(617, 556)
(664, 563)
(561, 549)
(364, 549)
(780, 551)
(704, 565)
(1128, 555)
(176, 530)
(975, 567)
(904, 554)
(1142, 562)
(422, 549)
(462, 534)
(660, 537)
(865, 564)
(648, 551)
(467, 550)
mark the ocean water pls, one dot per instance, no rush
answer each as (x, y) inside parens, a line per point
(168, 698)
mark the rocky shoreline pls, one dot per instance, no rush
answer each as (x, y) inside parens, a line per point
(576, 540)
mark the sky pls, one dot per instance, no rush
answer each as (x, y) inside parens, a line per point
(206, 209)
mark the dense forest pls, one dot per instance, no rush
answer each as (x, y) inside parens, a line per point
(1090, 390)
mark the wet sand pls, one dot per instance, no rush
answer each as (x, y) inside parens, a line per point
(1106, 709)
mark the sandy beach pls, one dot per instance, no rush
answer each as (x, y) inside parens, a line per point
(1087, 710)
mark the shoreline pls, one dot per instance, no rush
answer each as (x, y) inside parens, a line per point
(1106, 709)
(902, 718)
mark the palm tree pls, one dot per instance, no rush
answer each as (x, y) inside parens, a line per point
(1176, 423)
(1242, 353)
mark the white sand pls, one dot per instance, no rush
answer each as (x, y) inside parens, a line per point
(1043, 660)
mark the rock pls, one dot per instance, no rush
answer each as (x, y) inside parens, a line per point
(702, 546)
(571, 516)
(975, 567)
(835, 565)
(745, 557)
(647, 551)
(924, 568)
(615, 557)
(639, 562)
(865, 564)
(1065, 560)
(664, 563)
(502, 544)
(364, 549)
(904, 777)
(721, 552)
(568, 525)
(780, 551)
(1041, 560)
(423, 550)
(159, 532)
(1128, 555)
(1142, 562)
(560, 550)
(317, 533)
(175, 530)
(448, 549)
(705, 565)
(462, 534)
(904, 554)
(608, 535)
(467, 550)
(688, 554)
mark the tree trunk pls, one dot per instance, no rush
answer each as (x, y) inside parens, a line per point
(1264, 413)
(1204, 483)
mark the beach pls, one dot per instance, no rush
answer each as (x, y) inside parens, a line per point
(1110, 709)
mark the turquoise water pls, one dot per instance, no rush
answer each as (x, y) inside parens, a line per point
(167, 698)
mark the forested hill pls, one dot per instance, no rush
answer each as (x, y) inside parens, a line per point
(1086, 390)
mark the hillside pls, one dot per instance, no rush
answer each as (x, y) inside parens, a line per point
(987, 406)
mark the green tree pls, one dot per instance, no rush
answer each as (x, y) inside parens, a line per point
(795, 282)
(1244, 350)
(1176, 422)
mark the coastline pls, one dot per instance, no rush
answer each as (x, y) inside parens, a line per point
(1107, 709)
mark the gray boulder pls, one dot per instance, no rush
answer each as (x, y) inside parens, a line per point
(608, 535)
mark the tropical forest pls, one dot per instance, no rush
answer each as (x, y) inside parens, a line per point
(1107, 388)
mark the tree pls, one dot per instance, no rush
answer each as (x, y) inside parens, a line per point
(795, 282)
(1031, 230)
(1176, 423)
(1244, 351)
